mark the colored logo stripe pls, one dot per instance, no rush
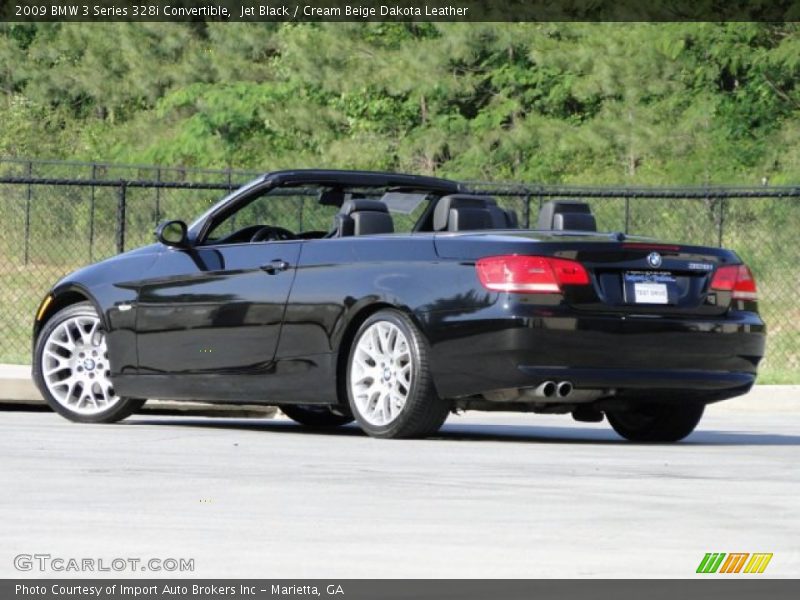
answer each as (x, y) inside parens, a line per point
(734, 562)
(711, 562)
(758, 563)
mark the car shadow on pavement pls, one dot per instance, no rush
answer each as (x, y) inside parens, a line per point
(476, 432)
(581, 435)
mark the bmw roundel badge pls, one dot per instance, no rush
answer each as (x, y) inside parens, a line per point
(654, 260)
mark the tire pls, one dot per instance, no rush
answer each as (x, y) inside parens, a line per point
(656, 422)
(319, 417)
(71, 370)
(389, 384)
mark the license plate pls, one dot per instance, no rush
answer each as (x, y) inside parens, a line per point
(649, 287)
(650, 293)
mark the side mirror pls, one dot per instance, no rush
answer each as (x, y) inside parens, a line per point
(172, 233)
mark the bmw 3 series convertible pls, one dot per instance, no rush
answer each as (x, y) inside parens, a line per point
(414, 298)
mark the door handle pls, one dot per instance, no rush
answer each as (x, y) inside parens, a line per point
(275, 266)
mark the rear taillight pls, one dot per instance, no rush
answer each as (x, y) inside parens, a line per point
(736, 279)
(530, 274)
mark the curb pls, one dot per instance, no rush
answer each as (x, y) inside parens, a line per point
(18, 392)
(764, 398)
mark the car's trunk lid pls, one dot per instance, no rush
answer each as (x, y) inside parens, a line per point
(630, 275)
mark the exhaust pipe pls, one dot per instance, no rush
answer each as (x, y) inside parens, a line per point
(546, 389)
(564, 389)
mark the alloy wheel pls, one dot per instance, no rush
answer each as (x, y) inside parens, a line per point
(75, 366)
(381, 373)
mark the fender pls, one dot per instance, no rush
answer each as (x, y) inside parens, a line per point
(112, 301)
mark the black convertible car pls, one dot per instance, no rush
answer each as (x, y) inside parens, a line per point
(419, 300)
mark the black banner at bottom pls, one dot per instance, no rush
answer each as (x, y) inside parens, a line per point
(395, 589)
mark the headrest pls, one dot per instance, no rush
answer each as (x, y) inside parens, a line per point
(574, 222)
(567, 215)
(370, 222)
(353, 205)
(441, 213)
(469, 219)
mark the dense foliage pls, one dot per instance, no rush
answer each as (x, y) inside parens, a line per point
(580, 102)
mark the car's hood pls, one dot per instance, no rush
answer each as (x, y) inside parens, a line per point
(114, 265)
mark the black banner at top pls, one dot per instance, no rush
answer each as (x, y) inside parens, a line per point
(397, 10)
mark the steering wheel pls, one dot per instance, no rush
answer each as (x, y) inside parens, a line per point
(272, 233)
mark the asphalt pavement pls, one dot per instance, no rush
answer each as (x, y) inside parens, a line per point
(494, 495)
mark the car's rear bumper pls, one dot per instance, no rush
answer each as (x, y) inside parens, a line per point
(667, 379)
(712, 357)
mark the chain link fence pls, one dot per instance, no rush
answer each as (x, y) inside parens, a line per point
(58, 216)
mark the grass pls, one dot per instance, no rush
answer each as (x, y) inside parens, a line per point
(770, 376)
(21, 291)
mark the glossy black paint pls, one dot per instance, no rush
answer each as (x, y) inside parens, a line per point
(270, 321)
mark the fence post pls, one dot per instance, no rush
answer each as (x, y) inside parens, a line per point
(230, 189)
(91, 213)
(527, 211)
(721, 220)
(158, 195)
(28, 197)
(121, 206)
(627, 214)
(300, 214)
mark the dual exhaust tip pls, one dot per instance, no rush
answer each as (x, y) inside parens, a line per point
(548, 389)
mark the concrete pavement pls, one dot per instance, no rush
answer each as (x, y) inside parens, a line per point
(495, 495)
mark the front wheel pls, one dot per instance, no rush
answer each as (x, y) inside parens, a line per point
(656, 422)
(389, 383)
(72, 371)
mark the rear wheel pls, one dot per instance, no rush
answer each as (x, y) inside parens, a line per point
(315, 416)
(389, 383)
(72, 371)
(656, 422)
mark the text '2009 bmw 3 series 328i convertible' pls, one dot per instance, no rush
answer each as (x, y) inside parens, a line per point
(419, 299)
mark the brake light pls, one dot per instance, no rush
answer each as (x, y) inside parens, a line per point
(530, 274)
(643, 246)
(736, 279)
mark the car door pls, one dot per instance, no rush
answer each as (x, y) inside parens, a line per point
(207, 326)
